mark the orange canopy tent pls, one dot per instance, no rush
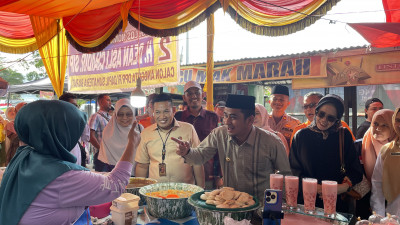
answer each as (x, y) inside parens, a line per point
(48, 25)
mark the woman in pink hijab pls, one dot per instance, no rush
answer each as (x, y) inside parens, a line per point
(380, 133)
(261, 121)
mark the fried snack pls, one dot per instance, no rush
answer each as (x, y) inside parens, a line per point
(220, 202)
(203, 197)
(227, 189)
(224, 206)
(215, 192)
(227, 194)
(227, 197)
(229, 202)
(237, 194)
(210, 202)
(234, 206)
(251, 202)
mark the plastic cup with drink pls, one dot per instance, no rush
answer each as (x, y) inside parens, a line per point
(276, 181)
(291, 189)
(309, 194)
(329, 196)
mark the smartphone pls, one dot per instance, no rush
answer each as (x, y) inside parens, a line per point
(272, 207)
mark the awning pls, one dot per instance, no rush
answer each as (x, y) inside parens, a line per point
(379, 35)
(91, 25)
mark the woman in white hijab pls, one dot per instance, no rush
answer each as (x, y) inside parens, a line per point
(115, 134)
(261, 121)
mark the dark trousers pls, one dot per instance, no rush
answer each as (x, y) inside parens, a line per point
(100, 166)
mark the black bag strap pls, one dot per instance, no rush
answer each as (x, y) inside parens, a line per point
(105, 117)
(341, 150)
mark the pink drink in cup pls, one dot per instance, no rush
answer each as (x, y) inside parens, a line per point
(329, 196)
(276, 181)
(309, 194)
(291, 189)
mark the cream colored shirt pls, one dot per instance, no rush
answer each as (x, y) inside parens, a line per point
(245, 167)
(150, 151)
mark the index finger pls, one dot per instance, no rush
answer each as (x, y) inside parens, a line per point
(176, 140)
(134, 124)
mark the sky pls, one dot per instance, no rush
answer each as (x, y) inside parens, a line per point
(233, 42)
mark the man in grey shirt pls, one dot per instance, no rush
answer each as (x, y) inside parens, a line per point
(248, 154)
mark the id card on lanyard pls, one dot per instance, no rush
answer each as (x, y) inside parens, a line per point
(162, 167)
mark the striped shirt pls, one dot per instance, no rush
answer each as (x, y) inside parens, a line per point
(98, 122)
(245, 167)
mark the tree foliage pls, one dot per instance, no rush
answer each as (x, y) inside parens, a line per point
(11, 76)
(37, 62)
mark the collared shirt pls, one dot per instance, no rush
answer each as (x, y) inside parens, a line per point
(245, 167)
(204, 123)
(150, 151)
(285, 126)
(98, 122)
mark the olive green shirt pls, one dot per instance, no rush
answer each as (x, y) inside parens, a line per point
(245, 167)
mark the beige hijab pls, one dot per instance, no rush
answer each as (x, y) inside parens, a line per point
(115, 137)
(370, 146)
(391, 165)
(264, 125)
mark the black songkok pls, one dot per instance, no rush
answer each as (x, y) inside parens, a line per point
(280, 89)
(241, 102)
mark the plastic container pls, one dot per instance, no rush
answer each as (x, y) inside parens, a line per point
(126, 201)
(100, 211)
(124, 217)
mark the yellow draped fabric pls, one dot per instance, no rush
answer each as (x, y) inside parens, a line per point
(124, 13)
(53, 48)
(210, 62)
(17, 46)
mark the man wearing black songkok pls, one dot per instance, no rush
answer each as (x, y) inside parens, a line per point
(247, 153)
(278, 120)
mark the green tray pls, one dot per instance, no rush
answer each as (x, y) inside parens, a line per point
(195, 201)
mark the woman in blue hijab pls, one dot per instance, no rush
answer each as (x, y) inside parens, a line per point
(42, 184)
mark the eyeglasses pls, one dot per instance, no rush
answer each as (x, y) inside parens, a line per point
(121, 115)
(330, 118)
(310, 106)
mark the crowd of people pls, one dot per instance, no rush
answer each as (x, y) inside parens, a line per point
(239, 145)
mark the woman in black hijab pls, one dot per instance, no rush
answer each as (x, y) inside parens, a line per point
(315, 151)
